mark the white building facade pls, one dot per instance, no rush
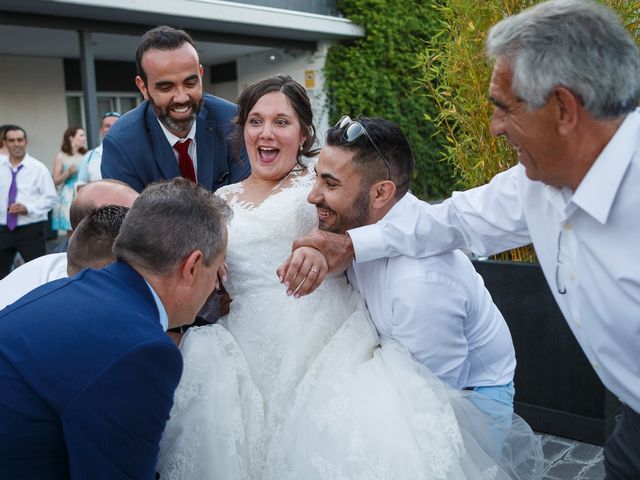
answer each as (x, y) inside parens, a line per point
(67, 62)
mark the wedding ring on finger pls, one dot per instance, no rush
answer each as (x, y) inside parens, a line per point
(314, 270)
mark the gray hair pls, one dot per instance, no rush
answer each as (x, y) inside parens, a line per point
(578, 44)
(169, 221)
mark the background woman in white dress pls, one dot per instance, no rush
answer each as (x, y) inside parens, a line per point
(286, 388)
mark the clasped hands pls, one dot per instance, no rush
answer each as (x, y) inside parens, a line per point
(313, 257)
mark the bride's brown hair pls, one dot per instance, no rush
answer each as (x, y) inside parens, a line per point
(299, 100)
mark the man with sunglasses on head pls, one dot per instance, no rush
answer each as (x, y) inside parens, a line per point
(90, 168)
(437, 307)
(566, 85)
(177, 131)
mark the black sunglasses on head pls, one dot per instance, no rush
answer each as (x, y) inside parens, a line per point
(354, 130)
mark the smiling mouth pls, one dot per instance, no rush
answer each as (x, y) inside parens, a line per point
(324, 213)
(182, 110)
(268, 154)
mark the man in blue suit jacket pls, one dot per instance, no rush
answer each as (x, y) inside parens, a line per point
(87, 370)
(139, 148)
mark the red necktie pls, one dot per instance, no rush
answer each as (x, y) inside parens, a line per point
(184, 160)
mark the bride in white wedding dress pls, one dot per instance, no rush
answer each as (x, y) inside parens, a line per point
(286, 388)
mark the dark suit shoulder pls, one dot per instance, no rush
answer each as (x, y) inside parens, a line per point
(129, 127)
(78, 326)
(219, 109)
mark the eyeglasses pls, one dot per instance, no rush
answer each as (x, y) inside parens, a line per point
(354, 130)
(560, 274)
(112, 114)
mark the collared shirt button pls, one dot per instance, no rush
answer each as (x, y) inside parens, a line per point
(572, 276)
(578, 322)
(595, 365)
(568, 226)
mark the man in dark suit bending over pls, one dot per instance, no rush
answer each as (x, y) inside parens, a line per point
(87, 370)
(176, 131)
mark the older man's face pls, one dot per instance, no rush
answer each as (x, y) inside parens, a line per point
(173, 87)
(532, 132)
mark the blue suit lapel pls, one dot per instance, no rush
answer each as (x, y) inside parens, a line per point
(163, 154)
(206, 147)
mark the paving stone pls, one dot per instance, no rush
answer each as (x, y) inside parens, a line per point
(566, 441)
(565, 470)
(594, 472)
(567, 459)
(585, 453)
(554, 449)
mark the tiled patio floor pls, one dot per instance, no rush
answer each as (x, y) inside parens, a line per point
(567, 459)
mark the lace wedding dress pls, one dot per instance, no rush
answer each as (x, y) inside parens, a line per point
(286, 388)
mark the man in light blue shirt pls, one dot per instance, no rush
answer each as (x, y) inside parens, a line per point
(90, 168)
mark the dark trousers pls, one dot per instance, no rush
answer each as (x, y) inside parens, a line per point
(622, 450)
(28, 240)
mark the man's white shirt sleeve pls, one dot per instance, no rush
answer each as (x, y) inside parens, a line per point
(31, 275)
(36, 190)
(486, 220)
(594, 231)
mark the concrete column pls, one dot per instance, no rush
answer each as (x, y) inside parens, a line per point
(88, 73)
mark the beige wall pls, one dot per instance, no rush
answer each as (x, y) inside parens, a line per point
(32, 92)
(32, 95)
(226, 90)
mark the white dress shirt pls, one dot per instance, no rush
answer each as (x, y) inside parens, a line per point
(31, 275)
(587, 243)
(90, 168)
(163, 317)
(172, 139)
(36, 190)
(440, 310)
(45, 269)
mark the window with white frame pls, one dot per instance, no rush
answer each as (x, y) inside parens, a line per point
(107, 102)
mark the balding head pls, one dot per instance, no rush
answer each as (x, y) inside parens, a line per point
(99, 193)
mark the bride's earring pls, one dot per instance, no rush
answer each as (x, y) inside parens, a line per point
(301, 147)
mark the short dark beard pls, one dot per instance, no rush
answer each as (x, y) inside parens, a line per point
(356, 216)
(172, 124)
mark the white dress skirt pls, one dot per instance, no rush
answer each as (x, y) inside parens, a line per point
(286, 388)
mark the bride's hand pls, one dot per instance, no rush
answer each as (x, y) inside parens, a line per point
(336, 248)
(303, 271)
(222, 276)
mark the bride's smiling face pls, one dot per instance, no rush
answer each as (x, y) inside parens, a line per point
(273, 137)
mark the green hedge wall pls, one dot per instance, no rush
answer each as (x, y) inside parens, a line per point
(378, 76)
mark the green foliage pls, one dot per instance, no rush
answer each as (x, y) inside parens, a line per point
(378, 76)
(456, 76)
